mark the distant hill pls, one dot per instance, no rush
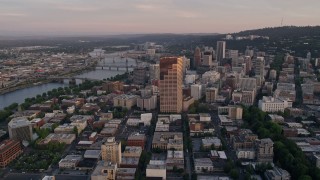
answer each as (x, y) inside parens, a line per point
(283, 32)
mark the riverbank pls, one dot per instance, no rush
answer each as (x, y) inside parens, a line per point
(43, 81)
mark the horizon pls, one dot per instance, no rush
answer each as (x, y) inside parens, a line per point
(96, 17)
(130, 34)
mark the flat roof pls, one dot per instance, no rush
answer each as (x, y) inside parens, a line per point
(222, 155)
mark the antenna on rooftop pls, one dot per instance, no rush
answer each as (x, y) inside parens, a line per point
(281, 21)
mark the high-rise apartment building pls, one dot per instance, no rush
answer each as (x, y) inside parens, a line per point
(171, 81)
(248, 62)
(154, 71)
(258, 64)
(207, 59)
(221, 51)
(140, 75)
(20, 129)
(233, 55)
(197, 57)
(111, 151)
(211, 95)
(196, 91)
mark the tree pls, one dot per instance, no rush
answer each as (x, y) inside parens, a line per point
(75, 130)
(228, 166)
(234, 174)
(305, 177)
(42, 133)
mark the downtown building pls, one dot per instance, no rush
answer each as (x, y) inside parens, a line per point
(20, 129)
(197, 58)
(171, 81)
(271, 104)
(221, 51)
(154, 72)
(140, 75)
(111, 151)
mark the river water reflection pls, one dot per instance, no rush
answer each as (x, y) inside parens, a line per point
(18, 96)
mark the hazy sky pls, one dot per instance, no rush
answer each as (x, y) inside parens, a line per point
(45, 17)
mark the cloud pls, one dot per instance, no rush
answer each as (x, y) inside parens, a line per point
(13, 14)
(146, 7)
(78, 9)
(188, 14)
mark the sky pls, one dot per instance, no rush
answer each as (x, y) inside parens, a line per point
(103, 17)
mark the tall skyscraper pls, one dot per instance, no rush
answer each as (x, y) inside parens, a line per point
(111, 151)
(249, 52)
(233, 54)
(258, 64)
(197, 57)
(207, 59)
(171, 80)
(247, 60)
(221, 50)
(309, 55)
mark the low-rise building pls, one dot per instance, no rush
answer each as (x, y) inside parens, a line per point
(161, 139)
(61, 138)
(265, 150)
(295, 112)
(156, 169)
(9, 151)
(225, 120)
(276, 118)
(145, 119)
(129, 162)
(175, 144)
(133, 122)
(277, 174)
(209, 141)
(64, 129)
(126, 173)
(70, 161)
(203, 165)
(105, 116)
(175, 159)
(136, 140)
(246, 154)
(162, 127)
(270, 104)
(104, 171)
(132, 151)
(108, 132)
(205, 117)
(81, 124)
(37, 122)
(92, 154)
(125, 101)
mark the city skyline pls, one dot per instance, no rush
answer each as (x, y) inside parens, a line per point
(48, 17)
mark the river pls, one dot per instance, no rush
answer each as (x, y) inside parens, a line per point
(18, 96)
